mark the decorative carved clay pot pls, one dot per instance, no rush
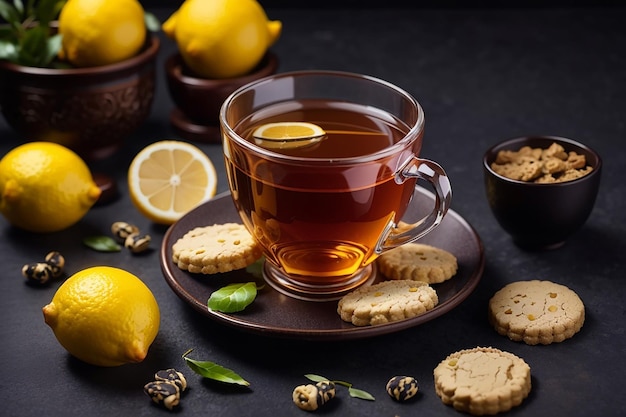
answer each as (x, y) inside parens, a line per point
(90, 110)
(198, 100)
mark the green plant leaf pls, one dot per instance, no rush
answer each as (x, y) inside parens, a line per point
(8, 51)
(48, 10)
(102, 244)
(53, 45)
(9, 13)
(359, 393)
(19, 6)
(30, 9)
(233, 297)
(256, 268)
(7, 34)
(354, 392)
(152, 22)
(316, 378)
(29, 32)
(31, 47)
(214, 371)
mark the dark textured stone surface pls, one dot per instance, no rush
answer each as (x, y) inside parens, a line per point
(482, 76)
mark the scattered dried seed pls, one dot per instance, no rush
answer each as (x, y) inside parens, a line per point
(402, 388)
(172, 376)
(38, 273)
(310, 397)
(56, 262)
(164, 393)
(137, 243)
(121, 230)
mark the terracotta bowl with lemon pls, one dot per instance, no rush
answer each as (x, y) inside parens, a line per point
(89, 110)
(198, 100)
(222, 45)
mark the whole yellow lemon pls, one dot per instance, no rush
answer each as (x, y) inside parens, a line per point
(104, 316)
(45, 187)
(101, 32)
(222, 38)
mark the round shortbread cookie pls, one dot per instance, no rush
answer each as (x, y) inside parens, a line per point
(218, 248)
(536, 312)
(482, 380)
(387, 301)
(418, 262)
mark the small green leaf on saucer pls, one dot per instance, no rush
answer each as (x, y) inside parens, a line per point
(256, 268)
(233, 297)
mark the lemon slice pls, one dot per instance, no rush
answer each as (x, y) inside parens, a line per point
(169, 178)
(288, 135)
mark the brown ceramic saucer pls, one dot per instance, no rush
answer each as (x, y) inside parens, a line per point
(274, 314)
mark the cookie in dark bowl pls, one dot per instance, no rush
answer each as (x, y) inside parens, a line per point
(541, 189)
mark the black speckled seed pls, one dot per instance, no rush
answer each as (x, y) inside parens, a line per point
(56, 262)
(122, 230)
(310, 397)
(165, 393)
(326, 391)
(172, 376)
(37, 273)
(401, 388)
(137, 243)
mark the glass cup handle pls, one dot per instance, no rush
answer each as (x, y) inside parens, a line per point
(436, 176)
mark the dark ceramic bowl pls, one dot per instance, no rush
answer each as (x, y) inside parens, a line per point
(541, 216)
(198, 100)
(89, 110)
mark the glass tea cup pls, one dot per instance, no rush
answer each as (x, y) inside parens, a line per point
(324, 207)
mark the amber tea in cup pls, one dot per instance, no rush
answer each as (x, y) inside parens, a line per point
(323, 205)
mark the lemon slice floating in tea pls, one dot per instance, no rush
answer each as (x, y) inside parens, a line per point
(288, 135)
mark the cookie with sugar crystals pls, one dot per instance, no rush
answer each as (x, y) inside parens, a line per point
(217, 248)
(386, 302)
(536, 312)
(482, 380)
(418, 262)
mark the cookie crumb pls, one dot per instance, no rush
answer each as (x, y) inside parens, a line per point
(541, 166)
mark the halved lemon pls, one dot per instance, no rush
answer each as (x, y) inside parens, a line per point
(288, 135)
(167, 179)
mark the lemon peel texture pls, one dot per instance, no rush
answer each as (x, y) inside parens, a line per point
(45, 187)
(104, 316)
(222, 38)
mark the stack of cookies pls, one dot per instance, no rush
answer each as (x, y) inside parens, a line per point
(410, 270)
